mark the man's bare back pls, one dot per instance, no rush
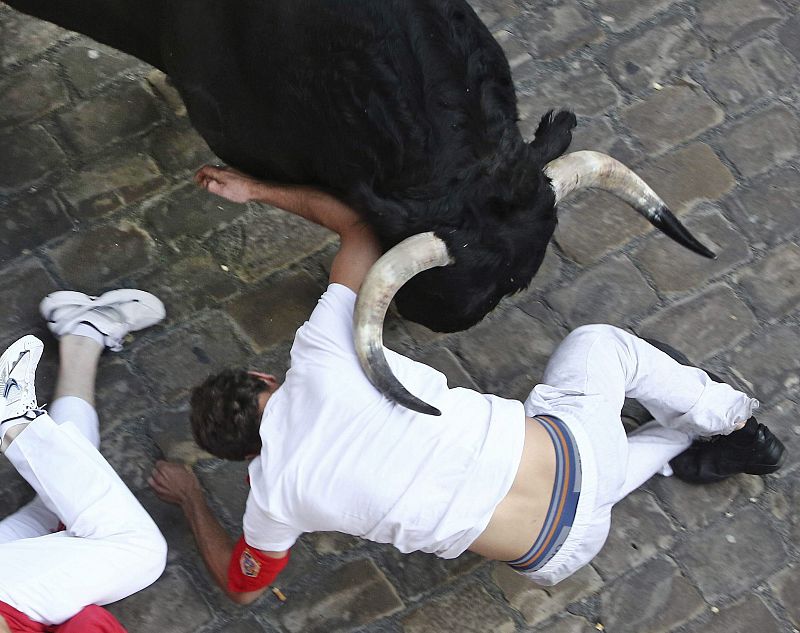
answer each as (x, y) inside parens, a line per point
(519, 517)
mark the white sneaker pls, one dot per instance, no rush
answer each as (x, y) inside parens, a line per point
(113, 314)
(17, 371)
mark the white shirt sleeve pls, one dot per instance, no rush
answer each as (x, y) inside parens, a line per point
(264, 532)
(329, 329)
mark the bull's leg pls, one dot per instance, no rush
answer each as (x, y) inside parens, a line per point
(131, 26)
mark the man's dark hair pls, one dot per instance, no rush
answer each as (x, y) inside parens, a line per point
(225, 418)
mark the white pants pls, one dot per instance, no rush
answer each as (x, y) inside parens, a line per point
(110, 549)
(585, 384)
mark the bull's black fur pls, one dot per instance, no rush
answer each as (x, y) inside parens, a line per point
(404, 109)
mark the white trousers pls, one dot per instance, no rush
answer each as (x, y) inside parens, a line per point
(110, 549)
(585, 384)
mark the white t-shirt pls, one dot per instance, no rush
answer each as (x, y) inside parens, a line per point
(338, 456)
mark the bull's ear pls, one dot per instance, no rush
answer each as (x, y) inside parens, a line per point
(553, 135)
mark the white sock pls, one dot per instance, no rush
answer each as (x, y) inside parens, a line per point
(83, 329)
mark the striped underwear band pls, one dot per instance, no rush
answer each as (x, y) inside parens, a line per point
(563, 502)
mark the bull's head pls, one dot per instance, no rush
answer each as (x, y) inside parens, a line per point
(427, 251)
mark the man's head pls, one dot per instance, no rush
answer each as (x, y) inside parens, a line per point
(226, 412)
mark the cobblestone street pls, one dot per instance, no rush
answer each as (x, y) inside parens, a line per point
(700, 98)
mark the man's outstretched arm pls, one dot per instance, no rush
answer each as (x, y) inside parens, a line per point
(359, 247)
(175, 483)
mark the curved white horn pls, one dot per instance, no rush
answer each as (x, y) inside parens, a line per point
(583, 169)
(387, 275)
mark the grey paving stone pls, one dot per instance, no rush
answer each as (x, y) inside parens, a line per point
(110, 182)
(731, 558)
(506, 355)
(163, 88)
(687, 176)
(352, 595)
(30, 221)
(171, 522)
(674, 269)
(656, 598)
(773, 284)
(596, 134)
(271, 315)
(121, 113)
(125, 446)
(732, 20)
(538, 604)
(191, 352)
(22, 37)
(788, 36)
(697, 506)
(413, 575)
(335, 543)
(265, 241)
(639, 530)
(172, 604)
(188, 282)
(671, 116)
(27, 154)
(787, 589)
(770, 362)
(515, 49)
(762, 140)
(767, 210)
(783, 420)
(583, 88)
(119, 391)
(248, 625)
(759, 70)
(228, 487)
(171, 433)
(554, 30)
(595, 223)
(751, 614)
(657, 54)
(493, 13)
(178, 148)
(594, 297)
(448, 364)
(15, 491)
(31, 93)
(88, 64)
(706, 323)
(477, 612)
(569, 624)
(190, 212)
(22, 286)
(621, 15)
(92, 259)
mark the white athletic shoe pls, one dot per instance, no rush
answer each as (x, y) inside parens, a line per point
(17, 372)
(112, 314)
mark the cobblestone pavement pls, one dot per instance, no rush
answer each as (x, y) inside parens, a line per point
(96, 155)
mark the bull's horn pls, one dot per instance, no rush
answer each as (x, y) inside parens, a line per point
(387, 275)
(592, 169)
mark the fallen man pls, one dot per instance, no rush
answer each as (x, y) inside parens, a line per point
(530, 484)
(84, 540)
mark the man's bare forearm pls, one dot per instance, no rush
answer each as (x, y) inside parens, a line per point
(309, 203)
(213, 541)
(4, 626)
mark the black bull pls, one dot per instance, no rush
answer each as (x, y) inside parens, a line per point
(403, 109)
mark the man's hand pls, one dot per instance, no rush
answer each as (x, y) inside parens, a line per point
(174, 483)
(228, 183)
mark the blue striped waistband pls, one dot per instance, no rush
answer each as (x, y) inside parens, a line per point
(563, 501)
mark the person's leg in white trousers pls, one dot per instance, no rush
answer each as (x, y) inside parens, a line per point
(111, 548)
(592, 372)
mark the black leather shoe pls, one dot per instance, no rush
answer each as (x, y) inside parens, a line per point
(753, 450)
